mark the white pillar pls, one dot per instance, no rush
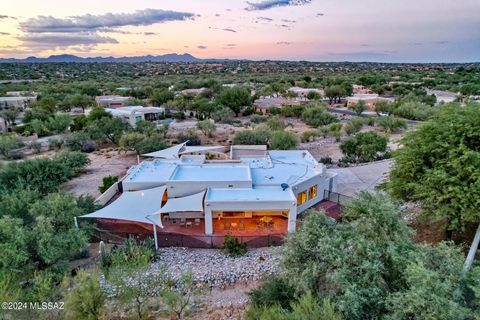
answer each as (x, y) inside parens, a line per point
(292, 218)
(208, 221)
(155, 235)
(472, 252)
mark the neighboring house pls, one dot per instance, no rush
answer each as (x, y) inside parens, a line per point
(134, 114)
(443, 96)
(303, 92)
(18, 101)
(359, 89)
(370, 99)
(256, 192)
(264, 105)
(112, 102)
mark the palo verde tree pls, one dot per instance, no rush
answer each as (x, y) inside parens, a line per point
(235, 98)
(438, 166)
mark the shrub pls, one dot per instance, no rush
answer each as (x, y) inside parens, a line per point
(291, 111)
(353, 126)
(415, 111)
(364, 147)
(79, 141)
(107, 182)
(274, 123)
(190, 136)
(86, 300)
(309, 135)
(275, 290)
(391, 124)
(317, 116)
(258, 136)
(326, 160)
(35, 146)
(258, 118)
(233, 247)
(359, 107)
(283, 140)
(178, 116)
(55, 144)
(8, 143)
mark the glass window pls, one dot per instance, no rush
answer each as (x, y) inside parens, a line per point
(312, 192)
(301, 197)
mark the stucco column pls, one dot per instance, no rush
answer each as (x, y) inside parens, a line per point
(292, 217)
(208, 221)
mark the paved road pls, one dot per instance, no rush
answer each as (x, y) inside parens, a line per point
(364, 177)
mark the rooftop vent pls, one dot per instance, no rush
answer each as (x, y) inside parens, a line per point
(284, 186)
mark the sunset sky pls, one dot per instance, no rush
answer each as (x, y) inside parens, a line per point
(316, 30)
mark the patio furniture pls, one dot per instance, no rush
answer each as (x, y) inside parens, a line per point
(189, 224)
(234, 225)
(197, 222)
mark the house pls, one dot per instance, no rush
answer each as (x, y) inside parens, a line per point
(265, 104)
(370, 99)
(303, 92)
(359, 89)
(255, 192)
(112, 101)
(17, 101)
(134, 114)
(443, 96)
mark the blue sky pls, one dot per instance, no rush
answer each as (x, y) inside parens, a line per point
(317, 30)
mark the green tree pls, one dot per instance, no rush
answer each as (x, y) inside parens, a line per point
(235, 98)
(334, 93)
(161, 96)
(437, 166)
(317, 116)
(107, 128)
(97, 113)
(364, 147)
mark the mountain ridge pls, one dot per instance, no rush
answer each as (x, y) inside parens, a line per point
(70, 58)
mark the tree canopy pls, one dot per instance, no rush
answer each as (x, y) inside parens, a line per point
(438, 166)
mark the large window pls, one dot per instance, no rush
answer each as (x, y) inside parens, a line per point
(301, 197)
(312, 192)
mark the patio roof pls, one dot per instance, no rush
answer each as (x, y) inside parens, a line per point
(191, 203)
(169, 153)
(175, 151)
(132, 206)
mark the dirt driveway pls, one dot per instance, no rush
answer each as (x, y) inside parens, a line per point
(105, 162)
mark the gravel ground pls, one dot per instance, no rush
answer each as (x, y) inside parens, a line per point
(215, 269)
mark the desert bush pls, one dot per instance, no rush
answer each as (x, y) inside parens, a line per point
(233, 247)
(107, 182)
(364, 147)
(317, 116)
(283, 140)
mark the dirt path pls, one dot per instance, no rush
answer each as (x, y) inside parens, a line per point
(106, 162)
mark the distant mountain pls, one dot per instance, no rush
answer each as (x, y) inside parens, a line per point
(171, 57)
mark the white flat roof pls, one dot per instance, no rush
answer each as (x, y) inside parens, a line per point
(267, 194)
(212, 173)
(152, 171)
